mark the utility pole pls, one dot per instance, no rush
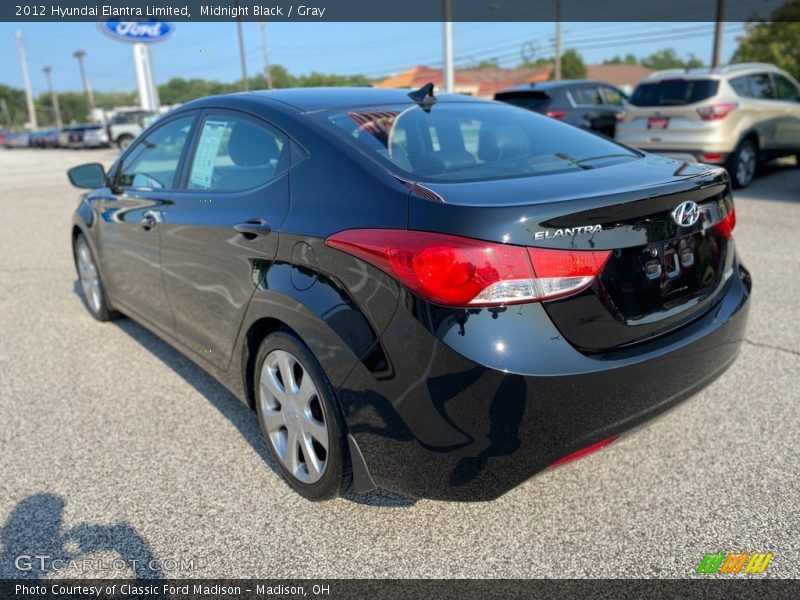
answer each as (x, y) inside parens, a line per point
(53, 97)
(557, 69)
(87, 87)
(718, 34)
(245, 83)
(449, 72)
(265, 49)
(26, 80)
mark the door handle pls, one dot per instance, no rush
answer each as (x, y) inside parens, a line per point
(253, 228)
(150, 218)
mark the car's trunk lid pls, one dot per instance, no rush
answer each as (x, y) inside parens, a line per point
(660, 275)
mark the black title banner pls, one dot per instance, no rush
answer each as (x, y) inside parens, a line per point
(396, 589)
(405, 10)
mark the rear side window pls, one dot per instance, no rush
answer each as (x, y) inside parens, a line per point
(532, 100)
(674, 92)
(787, 91)
(761, 86)
(235, 153)
(741, 85)
(586, 95)
(471, 141)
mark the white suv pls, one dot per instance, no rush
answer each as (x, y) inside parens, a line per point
(735, 116)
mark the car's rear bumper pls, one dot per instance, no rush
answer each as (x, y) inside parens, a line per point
(432, 423)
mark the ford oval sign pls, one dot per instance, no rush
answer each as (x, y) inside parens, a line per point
(137, 31)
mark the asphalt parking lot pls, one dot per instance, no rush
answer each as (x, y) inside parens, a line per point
(115, 447)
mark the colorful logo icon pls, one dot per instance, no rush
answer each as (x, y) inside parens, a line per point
(734, 563)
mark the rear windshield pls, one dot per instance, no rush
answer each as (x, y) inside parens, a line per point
(529, 100)
(463, 141)
(674, 92)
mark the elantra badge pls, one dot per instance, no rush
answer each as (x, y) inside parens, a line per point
(567, 231)
(686, 213)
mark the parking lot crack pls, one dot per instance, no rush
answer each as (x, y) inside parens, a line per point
(771, 347)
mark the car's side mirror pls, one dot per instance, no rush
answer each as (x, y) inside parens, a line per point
(89, 176)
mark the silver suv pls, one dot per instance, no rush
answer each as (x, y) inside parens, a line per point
(735, 116)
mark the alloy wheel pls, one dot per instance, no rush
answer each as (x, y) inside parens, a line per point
(746, 165)
(90, 280)
(293, 416)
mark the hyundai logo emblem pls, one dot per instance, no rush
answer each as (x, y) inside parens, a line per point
(686, 214)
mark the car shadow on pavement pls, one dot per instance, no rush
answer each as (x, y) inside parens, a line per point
(775, 181)
(35, 544)
(232, 409)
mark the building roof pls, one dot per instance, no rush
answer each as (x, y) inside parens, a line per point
(619, 75)
(476, 82)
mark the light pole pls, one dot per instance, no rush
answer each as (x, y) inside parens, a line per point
(265, 49)
(53, 96)
(87, 87)
(449, 70)
(26, 79)
(718, 34)
(557, 69)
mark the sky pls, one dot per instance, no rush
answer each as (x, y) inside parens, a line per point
(210, 50)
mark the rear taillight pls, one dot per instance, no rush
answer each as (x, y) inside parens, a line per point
(621, 115)
(725, 227)
(556, 114)
(456, 271)
(716, 112)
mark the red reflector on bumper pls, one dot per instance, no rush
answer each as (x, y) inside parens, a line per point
(584, 452)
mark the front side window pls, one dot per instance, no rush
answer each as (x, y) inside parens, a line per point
(762, 87)
(787, 91)
(235, 153)
(153, 161)
(613, 96)
(465, 141)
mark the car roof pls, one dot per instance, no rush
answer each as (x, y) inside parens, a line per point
(544, 86)
(733, 70)
(313, 99)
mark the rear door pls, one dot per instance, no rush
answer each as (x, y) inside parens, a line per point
(131, 217)
(220, 233)
(591, 110)
(788, 97)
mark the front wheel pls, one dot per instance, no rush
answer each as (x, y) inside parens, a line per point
(124, 141)
(94, 294)
(742, 164)
(300, 418)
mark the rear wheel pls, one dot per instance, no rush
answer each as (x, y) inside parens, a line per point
(742, 164)
(94, 295)
(300, 417)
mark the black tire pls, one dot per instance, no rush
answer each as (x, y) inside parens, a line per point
(336, 475)
(100, 308)
(742, 164)
(124, 141)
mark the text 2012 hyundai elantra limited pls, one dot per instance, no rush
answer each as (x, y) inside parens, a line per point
(440, 298)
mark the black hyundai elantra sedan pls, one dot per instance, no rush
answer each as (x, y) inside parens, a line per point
(439, 296)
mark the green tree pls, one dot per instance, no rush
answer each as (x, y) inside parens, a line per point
(776, 41)
(540, 63)
(628, 59)
(669, 59)
(572, 66)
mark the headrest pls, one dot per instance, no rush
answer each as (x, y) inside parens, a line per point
(250, 146)
(502, 144)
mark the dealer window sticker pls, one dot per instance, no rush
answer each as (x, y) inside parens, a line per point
(206, 154)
